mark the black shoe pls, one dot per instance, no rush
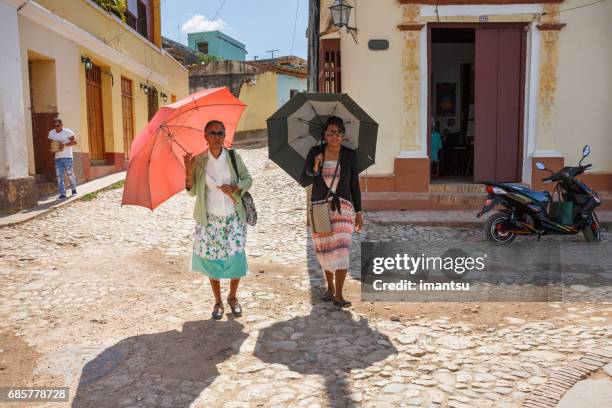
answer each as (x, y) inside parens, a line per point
(342, 303)
(218, 311)
(236, 308)
(62, 197)
(74, 192)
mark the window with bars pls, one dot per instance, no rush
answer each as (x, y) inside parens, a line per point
(152, 101)
(142, 23)
(127, 111)
(330, 67)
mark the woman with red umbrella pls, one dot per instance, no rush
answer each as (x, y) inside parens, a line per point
(220, 233)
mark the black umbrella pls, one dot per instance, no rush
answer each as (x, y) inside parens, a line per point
(296, 127)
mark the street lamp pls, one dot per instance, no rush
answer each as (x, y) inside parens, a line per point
(87, 62)
(341, 15)
(145, 88)
(164, 97)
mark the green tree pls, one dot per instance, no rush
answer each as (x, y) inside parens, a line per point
(117, 7)
(205, 59)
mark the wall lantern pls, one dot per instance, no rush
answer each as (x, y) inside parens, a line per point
(87, 62)
(145, 88)
(341, 15)
(164, 97)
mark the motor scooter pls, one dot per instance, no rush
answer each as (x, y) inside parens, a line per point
(527, 212)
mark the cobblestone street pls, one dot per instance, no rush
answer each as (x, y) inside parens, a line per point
(99, 298)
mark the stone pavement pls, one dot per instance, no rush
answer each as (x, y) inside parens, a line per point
(99, 298)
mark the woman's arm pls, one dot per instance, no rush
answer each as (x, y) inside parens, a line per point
(308, 174)
(246, 181)
(190, 173)
(355, 189)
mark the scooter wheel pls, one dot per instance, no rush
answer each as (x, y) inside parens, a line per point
(592, 233)
(493, 231)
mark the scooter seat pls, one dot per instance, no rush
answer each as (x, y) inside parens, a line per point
(539, 196)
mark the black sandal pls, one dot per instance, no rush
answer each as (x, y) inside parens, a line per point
(342, 303)
(236, 308)
(218, 311)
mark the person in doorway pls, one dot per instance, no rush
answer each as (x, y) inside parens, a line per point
(62, 140)
(220, 233)
(331, 167)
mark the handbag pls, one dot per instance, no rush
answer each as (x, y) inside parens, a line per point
(247, 198)
(561, 211)
(320, 211)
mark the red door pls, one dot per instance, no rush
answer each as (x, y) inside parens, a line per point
(498, 107)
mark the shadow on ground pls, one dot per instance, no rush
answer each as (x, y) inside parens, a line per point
(328, 342)
(168, 369)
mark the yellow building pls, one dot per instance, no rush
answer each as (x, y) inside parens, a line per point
(263, 87)
(104, 77)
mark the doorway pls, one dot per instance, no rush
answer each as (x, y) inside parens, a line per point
(43, 107)
(476, 83)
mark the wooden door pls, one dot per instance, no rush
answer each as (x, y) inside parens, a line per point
(95, 124)
(42, 123)
(498, 105)
(127, 111)
(330, 66)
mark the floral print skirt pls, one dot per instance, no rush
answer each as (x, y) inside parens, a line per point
(218, 247)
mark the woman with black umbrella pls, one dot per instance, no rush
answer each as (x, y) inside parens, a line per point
(331, 170)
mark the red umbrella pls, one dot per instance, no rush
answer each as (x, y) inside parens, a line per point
(156, 171)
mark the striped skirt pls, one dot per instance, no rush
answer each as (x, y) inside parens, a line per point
(333, 249)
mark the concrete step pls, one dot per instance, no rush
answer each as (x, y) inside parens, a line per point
(396, 201)
(386, 201)
(456, 188)
(459, 198)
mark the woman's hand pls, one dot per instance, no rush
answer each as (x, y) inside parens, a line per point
(189, 161)
(229, 190)
(317, 163)
(358, 221)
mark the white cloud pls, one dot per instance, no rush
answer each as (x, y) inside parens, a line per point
(199, 23)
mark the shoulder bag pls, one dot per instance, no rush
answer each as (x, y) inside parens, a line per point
(320, 211)
(247, 198)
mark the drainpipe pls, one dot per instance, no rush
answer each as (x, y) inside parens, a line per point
(314, 17)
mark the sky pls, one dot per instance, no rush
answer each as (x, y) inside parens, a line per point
(260, 24)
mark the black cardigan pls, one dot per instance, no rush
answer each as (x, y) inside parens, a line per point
(348, 184)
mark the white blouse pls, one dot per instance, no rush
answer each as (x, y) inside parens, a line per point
(217, 174)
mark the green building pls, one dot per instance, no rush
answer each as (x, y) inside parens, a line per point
(217, 44)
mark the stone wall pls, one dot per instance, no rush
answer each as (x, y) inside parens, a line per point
(230, 74)
(17, 194)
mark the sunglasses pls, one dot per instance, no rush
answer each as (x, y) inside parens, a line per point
(220, 133)
(334, 133)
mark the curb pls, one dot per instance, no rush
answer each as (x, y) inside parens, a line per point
(53, 207)
(606, 225)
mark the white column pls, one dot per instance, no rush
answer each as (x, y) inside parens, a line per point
(13, 145)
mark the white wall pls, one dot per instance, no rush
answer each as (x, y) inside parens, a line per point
(446, 67)
(13, 146)
(376, 82)
(584, 93)
(67, 59)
